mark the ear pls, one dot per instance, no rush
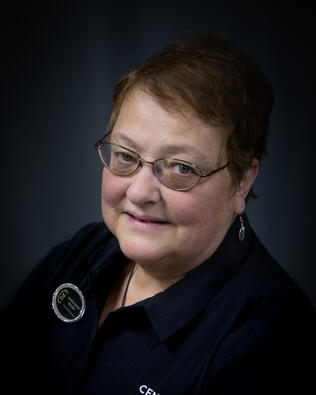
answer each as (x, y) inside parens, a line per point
(244, 187)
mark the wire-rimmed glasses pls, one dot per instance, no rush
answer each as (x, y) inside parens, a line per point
(174, 173)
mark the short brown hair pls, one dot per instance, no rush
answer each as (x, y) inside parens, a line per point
(219, 82)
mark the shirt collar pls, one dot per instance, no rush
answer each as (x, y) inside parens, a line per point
(170, 310)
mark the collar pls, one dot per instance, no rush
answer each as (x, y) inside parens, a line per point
(170, 310)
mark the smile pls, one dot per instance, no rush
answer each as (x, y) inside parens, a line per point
(143, 222)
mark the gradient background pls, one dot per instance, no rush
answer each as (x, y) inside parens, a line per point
(60, 63)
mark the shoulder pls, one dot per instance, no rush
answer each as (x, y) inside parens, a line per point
(266, 283)
(86, 242)
(261, 304)
(271, 323)
(64, 259)
(270, 294)
(89, 235)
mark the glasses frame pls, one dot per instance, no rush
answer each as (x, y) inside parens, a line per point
(98, 146)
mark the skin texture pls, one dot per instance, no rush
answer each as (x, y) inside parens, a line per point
(195, 221)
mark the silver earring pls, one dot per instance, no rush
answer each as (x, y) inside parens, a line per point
(242, 229)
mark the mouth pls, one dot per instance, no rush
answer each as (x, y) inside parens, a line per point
(145, 218)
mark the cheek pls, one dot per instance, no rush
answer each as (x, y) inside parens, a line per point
(187, 212)
(113, 192)
(203, 211)
(113, 188)
(192, 208)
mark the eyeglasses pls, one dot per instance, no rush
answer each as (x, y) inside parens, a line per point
(175, 174)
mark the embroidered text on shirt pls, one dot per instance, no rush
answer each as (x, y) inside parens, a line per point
(143, 389)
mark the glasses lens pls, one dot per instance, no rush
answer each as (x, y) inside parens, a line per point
(176, 174)
(118, 159)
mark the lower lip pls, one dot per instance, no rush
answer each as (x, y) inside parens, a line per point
(141, 225)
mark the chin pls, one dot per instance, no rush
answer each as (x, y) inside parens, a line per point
(140, 250)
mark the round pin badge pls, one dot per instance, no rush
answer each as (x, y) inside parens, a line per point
(68, 303)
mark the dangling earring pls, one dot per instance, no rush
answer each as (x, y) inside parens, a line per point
(242, 229)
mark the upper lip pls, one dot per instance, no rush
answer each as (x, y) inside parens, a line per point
(144, 217)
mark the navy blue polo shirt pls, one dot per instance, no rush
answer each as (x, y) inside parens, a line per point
(236, 324)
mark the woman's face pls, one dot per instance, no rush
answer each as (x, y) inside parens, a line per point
(156, 226)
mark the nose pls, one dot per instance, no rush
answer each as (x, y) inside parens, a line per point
(144, 187)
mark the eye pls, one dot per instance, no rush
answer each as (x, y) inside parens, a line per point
(124, 156)
(181, 168)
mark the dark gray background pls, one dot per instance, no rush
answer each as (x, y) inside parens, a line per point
(60, 63)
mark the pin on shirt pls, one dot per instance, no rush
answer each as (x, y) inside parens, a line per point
(68, 303)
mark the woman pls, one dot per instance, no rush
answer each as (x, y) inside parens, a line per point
(174, 294)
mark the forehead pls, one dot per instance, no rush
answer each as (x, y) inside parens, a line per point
(144, 122)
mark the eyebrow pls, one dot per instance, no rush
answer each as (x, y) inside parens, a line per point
(167, 149)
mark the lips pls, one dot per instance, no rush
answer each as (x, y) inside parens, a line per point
(145, 218)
